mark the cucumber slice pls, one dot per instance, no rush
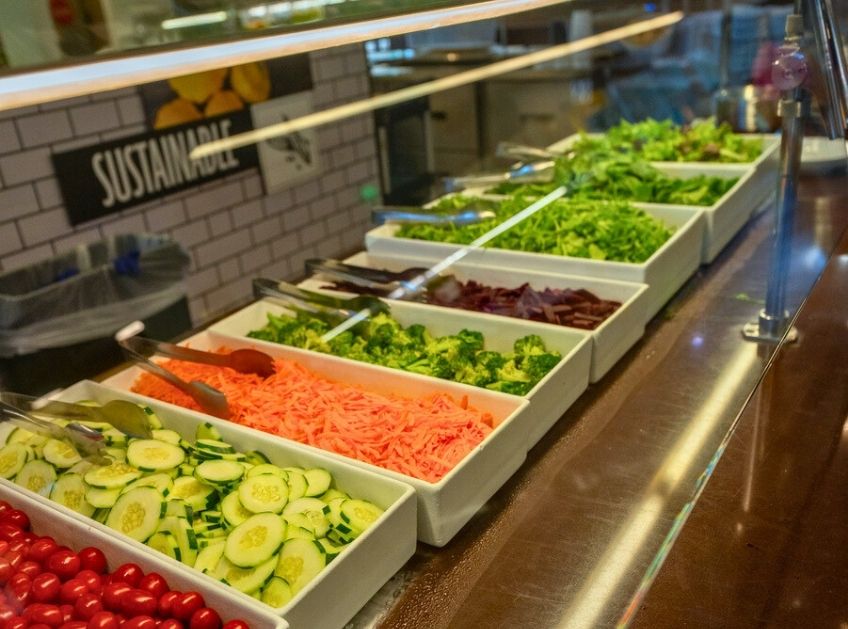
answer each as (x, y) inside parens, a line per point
(12, 458)
(37, 476)
(302, 505)
(331, 550)
(245, 580)
(232, 509)
(212, 516)
(116, 474)
(267, 468)
(69, 490)
(256, 457)
(296, 482)
(297, 532)
(276, 592)
(311, 520)
(317, 481)
(165, 543)
(179, 509)
(161, 481)
(255, 540)
(152, 418)
(102, 498)
(168, 436)
(116, 454)
(265, 493)
(214, 445)
(300, 561)
(197, 495)
(218, 472)
(181, 529)
(24, 436)
(207, 431)
(209, 557)
(151, 455)
(100, 515)
(136, 513)
(60, 453)
(332, 494)
(81, 468)
(359, 514)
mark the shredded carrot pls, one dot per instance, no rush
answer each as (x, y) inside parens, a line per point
(421, 437)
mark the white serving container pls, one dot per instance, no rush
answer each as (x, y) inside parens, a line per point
(551, 396)
(664, 272)
(756, 186)
(71, 529)
(353, 577)
(443, 507)
(610, 340)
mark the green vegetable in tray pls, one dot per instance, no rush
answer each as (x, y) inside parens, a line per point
(663, 141)
(609, 174)
(600, 230)
(382, 340)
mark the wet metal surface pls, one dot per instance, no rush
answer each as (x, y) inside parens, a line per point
(567, 541)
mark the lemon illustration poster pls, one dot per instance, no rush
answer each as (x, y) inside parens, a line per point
(270, 91)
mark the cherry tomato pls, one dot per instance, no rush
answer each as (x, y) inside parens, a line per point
(6, 570)
(63, 563)
(14, 557)
(16, 518)
(92, 580)
(103, 620)
(130, 573)
(139, 622)
(30, 537)
(72, 589)
(166, 603)
(113, 594)
(9, 532)
(93, 558)
(39, 625)
(154, 583)
(20, 582)
(4, 507)
(138, 603)
(16, 622)
(74, 624)
(4, 546)
(42, 613)
(87, 605)
(186, 604)
(30, 567)
(45, 587)
(6, 613)
(42, 548)
(20, 546)
(205, 618)
(171, 623)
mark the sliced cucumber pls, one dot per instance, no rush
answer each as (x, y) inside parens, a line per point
(332, 494)
(276, 592)
(197, 495)
(160, 481)
(331, 550)
(165, 543)
(297, 532)
(219, 472)
(359, 514)
(255, 540)
(152, 455)
(209, 557)
(69, 490)
(60, 453)
(116, 454)
(265, 493)
(300, 561)
(207, 431)
(182, 531)
(136, 513)
(81, 468)
(214, 445)
(232, 509)
(256, 457)
(267, 468)
(102, 498)
(37, 476)
(247, 580)
(302, 505)
(313, 521)
(152, 418)
(24, 436)
(317, 481)
(168, 436)
(110, 476)
(296, 482)
(12, 458)
(179, 509)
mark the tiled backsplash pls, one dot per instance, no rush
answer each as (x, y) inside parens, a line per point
(231, 229)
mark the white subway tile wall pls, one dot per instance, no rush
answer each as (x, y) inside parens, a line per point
(232, 230)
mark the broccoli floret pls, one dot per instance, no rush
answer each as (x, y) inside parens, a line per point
(529, 345)
(537, 366)
(472, 338)
(491, 360)
(456, 351)
(479, 375)
(515, 388)
(432, 365)
(418, 335)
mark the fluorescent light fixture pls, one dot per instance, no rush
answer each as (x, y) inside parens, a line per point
(439, 85)
(199, 19)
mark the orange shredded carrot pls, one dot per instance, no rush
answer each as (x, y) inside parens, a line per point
(421, 437)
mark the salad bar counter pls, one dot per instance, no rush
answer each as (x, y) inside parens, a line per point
(522, 412)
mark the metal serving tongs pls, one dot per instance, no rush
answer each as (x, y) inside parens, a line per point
(524, 153)
(332, 309)
(411, 214)
(536, 172)
(86, 440)
(378, 281)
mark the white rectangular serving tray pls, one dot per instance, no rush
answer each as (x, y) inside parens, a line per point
(550, 398)
(610, 340)
(353, 577)
(664, 272)
(71, 529)
(443, 507)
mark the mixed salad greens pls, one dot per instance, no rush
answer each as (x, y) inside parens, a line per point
(382, 340)
(600, 230)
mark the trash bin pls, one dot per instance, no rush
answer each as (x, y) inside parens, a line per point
(57, 317)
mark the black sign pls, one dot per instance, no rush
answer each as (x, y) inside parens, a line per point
(99, 180)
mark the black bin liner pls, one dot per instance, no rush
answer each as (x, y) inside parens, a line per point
(57, 317)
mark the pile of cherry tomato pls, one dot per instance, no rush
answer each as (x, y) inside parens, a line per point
(45, 585)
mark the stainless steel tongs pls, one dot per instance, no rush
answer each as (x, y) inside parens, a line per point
(536, 172)
(378, 280)
(324, 306)
(411, 214)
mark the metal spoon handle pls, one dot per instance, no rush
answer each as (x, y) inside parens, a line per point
(527, 173)
(148, 347)
(363, 276)
(314, 302)
(462, 217)
(88, 440)
(513, 150)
